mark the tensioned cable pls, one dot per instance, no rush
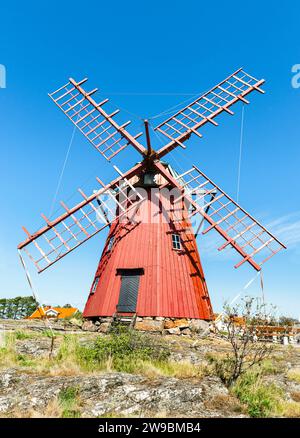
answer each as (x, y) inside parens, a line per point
(36, 299)
(147, 94)
(62, 171)
(262, 291)
(244, 288)
(172, 108)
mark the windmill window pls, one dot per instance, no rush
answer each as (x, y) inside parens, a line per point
(95, 284)
(110, 244)
(176, 242)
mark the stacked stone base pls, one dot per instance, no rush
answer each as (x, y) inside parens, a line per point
(171, 326)
(157, 324)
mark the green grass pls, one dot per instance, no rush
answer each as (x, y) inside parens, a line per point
(21, 335)
(8, 354)
(69, 401)
(122, 351)
(137, 353)
(261, 400)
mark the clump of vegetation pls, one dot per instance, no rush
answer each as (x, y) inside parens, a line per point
(169, 368)
(225, 402)
(246, 351)
(21, 335)
(8, 355)
(294, 375)
(261, 400)
(69, 401)
(123, 350)
(271, 366)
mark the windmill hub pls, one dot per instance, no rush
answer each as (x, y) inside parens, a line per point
(150, 265)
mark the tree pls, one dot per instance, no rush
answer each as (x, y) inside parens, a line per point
(287, 321)
(241, 332)
(17, 308)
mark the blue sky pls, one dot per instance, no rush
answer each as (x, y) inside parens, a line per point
(147, 57)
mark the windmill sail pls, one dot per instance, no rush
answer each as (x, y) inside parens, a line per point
(206, 108)
(239, 229)
(97, 125)
(80, 223)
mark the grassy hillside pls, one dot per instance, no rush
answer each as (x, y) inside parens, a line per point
(132, 374)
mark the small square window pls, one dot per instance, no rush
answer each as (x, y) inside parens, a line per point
(176, 242)
(95, 284)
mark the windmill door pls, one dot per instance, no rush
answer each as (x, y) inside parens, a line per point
(130, 281)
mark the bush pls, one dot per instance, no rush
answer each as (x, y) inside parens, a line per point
(124, 350)
(223, 367)
(246, 352)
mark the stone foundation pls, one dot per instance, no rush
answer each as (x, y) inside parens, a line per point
(171, 326)
(157, 324)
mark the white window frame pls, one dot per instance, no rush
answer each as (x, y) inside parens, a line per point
(110, 243)
(95, 284)
(176, 242)
(51, 312)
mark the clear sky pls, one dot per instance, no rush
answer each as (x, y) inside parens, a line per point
(147, 57)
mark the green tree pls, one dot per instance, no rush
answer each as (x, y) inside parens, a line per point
(17, 308)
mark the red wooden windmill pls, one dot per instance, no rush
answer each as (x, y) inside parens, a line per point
(150, 265)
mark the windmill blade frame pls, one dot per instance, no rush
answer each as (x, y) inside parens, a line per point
(239, 229)
(187, 121)
(98, 126)
(81, 222)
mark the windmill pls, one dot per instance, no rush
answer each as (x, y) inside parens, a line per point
(150, 265)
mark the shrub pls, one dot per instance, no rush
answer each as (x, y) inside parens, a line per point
(246, 351)
(124, 350)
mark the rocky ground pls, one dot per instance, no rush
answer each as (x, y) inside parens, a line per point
(27, 391)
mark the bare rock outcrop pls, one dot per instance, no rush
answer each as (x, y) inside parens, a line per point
(121, 393)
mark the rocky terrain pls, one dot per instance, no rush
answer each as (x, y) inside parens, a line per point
(34, 385)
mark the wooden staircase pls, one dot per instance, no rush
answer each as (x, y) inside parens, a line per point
(123, 320)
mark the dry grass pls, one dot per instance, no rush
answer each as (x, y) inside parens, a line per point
(296, 396)
(66, 405)
(289, 409)
(180, 370)
(225, 402)
(52, 410)
(294, 375)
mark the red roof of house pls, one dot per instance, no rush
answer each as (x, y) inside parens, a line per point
(63, 312)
